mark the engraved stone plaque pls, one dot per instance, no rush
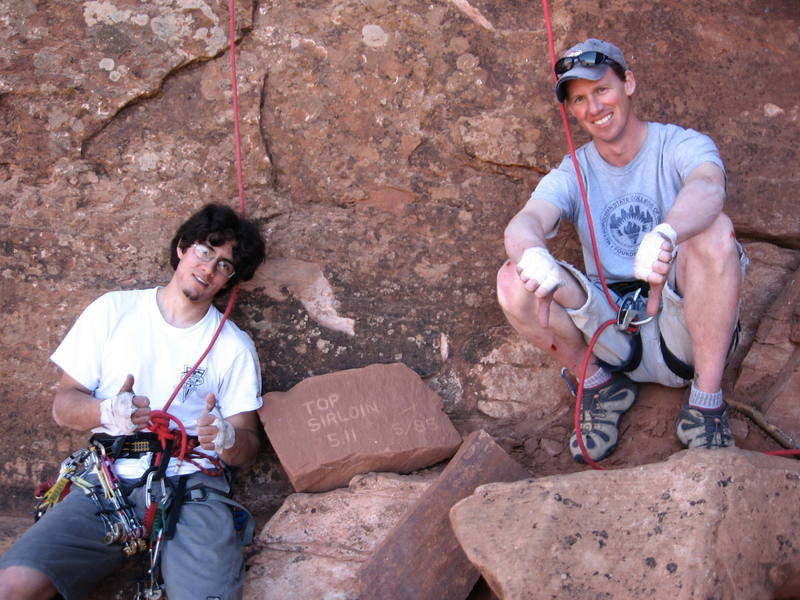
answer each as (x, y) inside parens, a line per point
(328, 428)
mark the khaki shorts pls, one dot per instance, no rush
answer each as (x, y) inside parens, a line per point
(614, 347)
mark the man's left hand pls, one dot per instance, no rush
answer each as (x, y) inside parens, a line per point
(213, 431)
(654, 261)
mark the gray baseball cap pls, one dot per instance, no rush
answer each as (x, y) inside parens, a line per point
(594, 72)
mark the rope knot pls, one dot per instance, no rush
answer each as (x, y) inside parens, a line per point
(159, 424)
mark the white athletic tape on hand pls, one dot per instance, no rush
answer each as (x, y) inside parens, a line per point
(650, 248)
(116, 413)
(226, 433)
(537, 263)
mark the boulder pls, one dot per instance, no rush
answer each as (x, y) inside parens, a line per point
(315, 545)
(703, 524)
(424, 535)
(328, 428)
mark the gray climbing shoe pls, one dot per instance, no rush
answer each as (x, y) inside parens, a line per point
(602, 409)
(704, 428)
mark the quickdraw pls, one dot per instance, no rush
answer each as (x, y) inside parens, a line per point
(81, 469)
(154, 590)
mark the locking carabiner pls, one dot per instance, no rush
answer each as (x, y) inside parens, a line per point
(632, 312)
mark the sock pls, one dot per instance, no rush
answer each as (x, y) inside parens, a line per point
(600, 377)
(704, 400)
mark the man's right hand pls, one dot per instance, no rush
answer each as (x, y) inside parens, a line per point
(541, 275)
(125, 413)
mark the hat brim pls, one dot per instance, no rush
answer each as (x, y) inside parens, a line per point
(579, 72)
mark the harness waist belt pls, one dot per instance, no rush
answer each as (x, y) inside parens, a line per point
(623, 287)
(131, 446)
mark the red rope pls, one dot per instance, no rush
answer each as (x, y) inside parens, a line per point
(160, 419)
(235, 99)
(581, 184)
(579, 395)
(585, 198)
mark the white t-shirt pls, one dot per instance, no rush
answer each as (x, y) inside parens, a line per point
(123, 332)
(629, 201)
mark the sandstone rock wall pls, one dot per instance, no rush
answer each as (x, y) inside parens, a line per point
(386, 144)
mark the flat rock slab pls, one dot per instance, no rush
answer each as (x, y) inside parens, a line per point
(703, 524)
(315, 545)
(328, 428)
(421, 559)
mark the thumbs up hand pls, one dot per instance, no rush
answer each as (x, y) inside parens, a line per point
(214, 432)
(125, 413)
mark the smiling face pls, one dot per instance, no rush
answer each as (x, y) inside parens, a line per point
(604, 107)
(201, 280)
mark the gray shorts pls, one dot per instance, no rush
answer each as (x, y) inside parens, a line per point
(204, 560)
(614, 346)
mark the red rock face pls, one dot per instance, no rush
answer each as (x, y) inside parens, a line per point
(386, 145)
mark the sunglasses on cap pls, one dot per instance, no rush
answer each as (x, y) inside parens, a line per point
(590, 58)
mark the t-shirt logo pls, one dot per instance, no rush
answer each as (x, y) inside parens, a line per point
(626, 220)
(194, 381)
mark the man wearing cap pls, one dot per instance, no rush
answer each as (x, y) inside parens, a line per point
(655, 194)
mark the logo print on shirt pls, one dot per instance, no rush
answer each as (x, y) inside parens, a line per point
(195, 380)
(626, 220)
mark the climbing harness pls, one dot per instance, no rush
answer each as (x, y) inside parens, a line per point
(169, 499)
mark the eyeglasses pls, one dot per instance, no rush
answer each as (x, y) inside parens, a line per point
(206, 254)
(590, 58)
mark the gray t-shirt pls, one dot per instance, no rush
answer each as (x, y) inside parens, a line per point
(625, 202)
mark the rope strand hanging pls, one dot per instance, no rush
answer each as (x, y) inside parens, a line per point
(160, 419)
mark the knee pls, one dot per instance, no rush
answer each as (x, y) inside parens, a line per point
(24, 582)
(715, 247)
(508, 283)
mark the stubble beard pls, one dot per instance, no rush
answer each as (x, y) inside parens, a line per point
(194, 297)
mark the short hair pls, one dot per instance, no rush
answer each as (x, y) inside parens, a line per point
(216, 224)
(618, 69)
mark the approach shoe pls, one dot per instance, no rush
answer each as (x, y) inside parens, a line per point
(704, 428)
(601, 410)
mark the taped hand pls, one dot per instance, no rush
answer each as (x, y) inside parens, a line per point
(653, 262)
(213, 424)
(540, 272)
(651, 251)
(116, 413)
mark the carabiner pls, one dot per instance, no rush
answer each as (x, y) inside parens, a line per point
(631, 308)
(148, 496)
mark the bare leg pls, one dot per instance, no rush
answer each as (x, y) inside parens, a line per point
(709, 278)
(561, 338)
(24, 583)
